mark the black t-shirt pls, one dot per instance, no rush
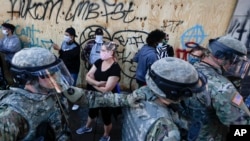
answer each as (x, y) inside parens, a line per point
(71, 58)
(100, 75)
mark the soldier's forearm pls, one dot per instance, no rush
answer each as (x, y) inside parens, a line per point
(107, 100)
(94, 99)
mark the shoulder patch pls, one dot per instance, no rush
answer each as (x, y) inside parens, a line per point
(237, 99)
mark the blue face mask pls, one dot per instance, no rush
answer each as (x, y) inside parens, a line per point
(193, 59)
(159, 45)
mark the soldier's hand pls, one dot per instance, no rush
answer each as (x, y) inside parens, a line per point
(73, 94)
(134, 99)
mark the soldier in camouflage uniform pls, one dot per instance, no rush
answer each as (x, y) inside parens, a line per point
(27, 113)
(226, 58)
(154, 120)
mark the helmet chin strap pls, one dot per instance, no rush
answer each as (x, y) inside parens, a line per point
(214, 62)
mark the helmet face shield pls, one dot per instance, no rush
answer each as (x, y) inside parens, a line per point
(58, 75)
(175, 90)
(239, 67)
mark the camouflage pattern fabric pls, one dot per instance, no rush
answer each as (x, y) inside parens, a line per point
(227, 105)
(93, 99)
(150, 122)
(168, 65)
(196, 109)
(26, 57)
(21, 112)
(164, 129)
(233, 43)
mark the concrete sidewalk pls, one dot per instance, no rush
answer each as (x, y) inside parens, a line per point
(79, 117)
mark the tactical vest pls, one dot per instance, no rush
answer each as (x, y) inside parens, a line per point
(138, 121)
(35, 108)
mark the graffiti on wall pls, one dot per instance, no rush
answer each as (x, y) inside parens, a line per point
(240, 24)
(84, 10)
(28, 37)
(29, 32)
(129, 40)
(171, 24)
(195, 34)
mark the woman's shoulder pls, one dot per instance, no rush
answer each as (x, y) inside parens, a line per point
(98, 62)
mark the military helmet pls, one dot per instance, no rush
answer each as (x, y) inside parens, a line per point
(33, 57)
(30, 63)
(226, 47)
(173, 78)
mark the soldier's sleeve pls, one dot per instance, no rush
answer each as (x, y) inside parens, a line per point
(229, 106)
(12, 125)
(163, 130)
(93, 99)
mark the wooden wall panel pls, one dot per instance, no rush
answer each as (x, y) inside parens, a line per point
(126, 22)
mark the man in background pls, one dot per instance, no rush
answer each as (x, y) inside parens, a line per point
(9, 45)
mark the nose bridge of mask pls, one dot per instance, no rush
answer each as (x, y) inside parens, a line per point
(67, 38)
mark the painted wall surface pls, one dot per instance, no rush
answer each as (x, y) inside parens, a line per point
(125, 22)
(240, 29)
(240, 23)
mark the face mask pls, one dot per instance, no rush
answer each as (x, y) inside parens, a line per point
(4, 31)
(105, 55)
(98, 39)
(165, 42)
(66, 38)
(193, 59)
(159, 45)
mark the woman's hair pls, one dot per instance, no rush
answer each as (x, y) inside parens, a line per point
(111, 46)
(155, 37)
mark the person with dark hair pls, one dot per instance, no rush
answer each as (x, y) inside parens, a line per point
(69, 52)
(147, 55)
(9, 45)
(164, 49)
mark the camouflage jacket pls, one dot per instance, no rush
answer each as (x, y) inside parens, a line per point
(151, 122)
(94, 99)
(159, 127)
(21, 112)
(227, 105)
